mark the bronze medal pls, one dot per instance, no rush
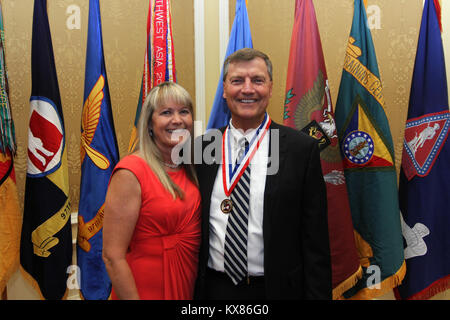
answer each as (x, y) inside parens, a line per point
(226, 206)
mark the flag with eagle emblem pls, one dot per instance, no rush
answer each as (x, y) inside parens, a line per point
(367, 149)
(308, 108)
(99, 156)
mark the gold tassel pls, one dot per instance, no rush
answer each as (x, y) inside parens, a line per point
(347, 284)
(385, 286)
(11, 219)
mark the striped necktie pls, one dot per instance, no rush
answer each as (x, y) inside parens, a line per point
(235, 253)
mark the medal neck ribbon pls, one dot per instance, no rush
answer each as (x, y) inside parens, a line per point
(232, 173)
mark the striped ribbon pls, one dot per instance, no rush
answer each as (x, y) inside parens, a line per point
(235, 254)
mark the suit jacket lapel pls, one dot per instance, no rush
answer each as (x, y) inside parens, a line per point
(208, 177)
(273, 180)
(210, 173)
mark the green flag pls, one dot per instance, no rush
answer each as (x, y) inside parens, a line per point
(368, 153)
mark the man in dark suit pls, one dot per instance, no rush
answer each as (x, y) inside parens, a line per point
(264, 228)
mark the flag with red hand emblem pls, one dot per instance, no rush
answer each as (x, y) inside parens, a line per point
(46, 240)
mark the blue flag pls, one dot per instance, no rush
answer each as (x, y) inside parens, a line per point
(240, 37)
(425, 173)
(46, 239)
(99, 156)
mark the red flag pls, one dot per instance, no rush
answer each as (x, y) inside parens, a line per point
(308, 108)
(437, 6)
(159, 62)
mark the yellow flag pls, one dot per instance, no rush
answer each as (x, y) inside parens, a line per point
(10, 220)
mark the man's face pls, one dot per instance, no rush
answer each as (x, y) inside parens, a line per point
(247, 90)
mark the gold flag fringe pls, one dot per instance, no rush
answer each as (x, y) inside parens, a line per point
(35, 285)
(7, 276)
(12, 205)
(385, 286)
(347, 284)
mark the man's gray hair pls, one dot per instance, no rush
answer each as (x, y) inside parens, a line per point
(246, 54)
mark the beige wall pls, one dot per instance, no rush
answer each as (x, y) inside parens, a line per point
(446, 35)
(212, 53)
(124, 44)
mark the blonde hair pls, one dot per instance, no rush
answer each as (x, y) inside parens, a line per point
(158, 96)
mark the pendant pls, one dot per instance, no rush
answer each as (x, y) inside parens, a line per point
(226, 206)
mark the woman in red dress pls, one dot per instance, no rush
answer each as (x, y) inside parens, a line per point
(151, 228)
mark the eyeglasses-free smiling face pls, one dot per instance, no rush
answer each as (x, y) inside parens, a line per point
(170, 123)
(247, 89)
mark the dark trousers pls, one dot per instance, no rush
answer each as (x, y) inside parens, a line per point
(220, 287)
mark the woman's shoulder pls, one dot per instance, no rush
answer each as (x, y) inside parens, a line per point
(131, 160)
(134, 163)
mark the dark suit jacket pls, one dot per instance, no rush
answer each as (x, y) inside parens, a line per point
(295, 229)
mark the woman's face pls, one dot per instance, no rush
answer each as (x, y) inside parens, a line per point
(171, 124)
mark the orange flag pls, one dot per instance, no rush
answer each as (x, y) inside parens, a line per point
(10, 215)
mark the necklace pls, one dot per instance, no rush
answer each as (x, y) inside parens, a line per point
(170, 165)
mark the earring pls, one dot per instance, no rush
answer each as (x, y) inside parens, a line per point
(150, 132)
